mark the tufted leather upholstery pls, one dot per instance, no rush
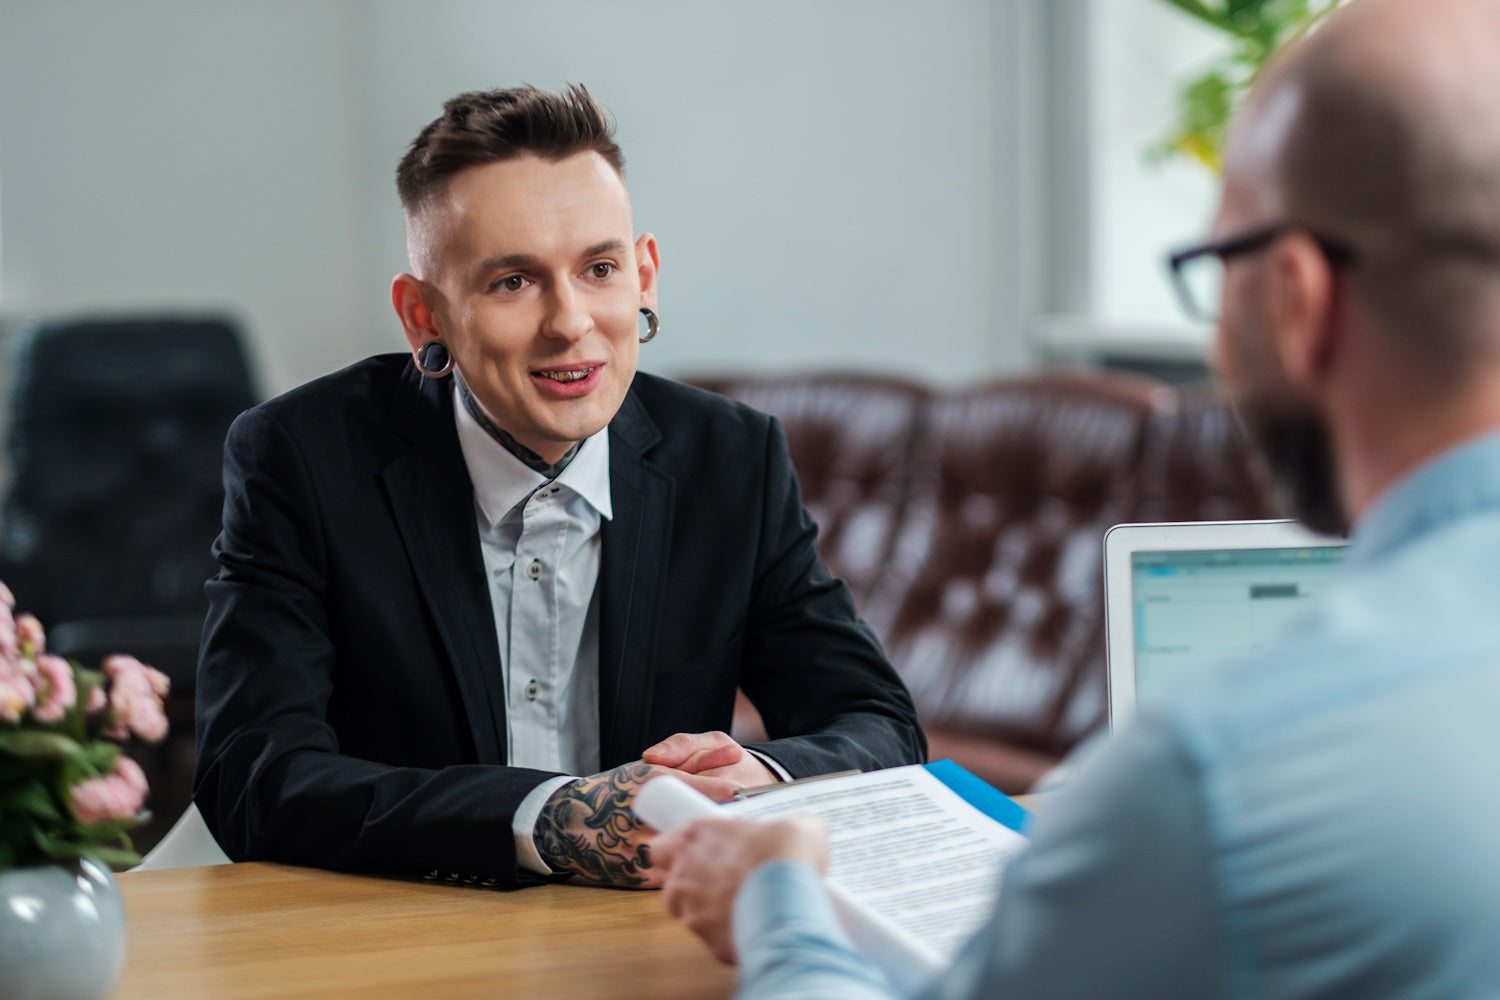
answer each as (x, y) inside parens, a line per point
(970, 525)
(1197, 465)
(851, 441)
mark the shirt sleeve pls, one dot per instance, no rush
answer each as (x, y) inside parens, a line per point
(771, 765)
(790, 943)
(1114, 897)
(523, 827)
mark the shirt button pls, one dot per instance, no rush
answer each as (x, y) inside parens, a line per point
(532, 690)
(534, 570)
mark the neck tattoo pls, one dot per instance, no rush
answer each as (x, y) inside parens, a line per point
(531, 459)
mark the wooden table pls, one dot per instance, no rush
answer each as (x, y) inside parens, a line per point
(262, 930)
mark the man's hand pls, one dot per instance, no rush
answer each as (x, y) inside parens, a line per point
(711, 755)
(589, 827)
(708, 859)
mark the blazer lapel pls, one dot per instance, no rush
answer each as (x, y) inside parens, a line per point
(432, 499)
(631, 578)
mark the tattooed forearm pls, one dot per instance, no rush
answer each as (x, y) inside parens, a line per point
(589, 829)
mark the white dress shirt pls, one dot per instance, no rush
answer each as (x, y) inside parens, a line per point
(541, 547)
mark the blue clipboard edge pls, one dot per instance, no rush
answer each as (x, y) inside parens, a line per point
(981, 795)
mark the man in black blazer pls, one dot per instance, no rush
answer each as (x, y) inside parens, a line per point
(451, 582)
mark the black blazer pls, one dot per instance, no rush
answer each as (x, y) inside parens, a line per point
(350, 707)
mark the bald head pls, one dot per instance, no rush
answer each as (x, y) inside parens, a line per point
(1382, 130)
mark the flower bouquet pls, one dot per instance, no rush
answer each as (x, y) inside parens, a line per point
(67, 791)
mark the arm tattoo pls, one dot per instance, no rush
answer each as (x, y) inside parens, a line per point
(589, 829)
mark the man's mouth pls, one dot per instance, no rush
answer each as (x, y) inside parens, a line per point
(566, 374)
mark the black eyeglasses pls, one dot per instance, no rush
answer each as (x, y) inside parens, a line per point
(1198, 272)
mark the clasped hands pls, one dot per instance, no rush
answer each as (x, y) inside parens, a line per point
(589, 827)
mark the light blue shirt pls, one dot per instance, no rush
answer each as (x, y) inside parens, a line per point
(1318, 820)
(541, 547)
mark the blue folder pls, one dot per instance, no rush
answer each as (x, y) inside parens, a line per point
(981, 795)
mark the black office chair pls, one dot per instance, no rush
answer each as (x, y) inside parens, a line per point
(115, 445)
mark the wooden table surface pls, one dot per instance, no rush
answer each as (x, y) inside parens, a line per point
(262, 930)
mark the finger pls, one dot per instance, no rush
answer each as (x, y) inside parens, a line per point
(718, 755)
(672, 751)
(718, 789)
(803, 838)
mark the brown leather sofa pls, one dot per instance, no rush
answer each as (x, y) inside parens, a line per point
(969, 525)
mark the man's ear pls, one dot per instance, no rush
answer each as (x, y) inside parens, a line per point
(648, 265)
(411, 298)
(1300, 287)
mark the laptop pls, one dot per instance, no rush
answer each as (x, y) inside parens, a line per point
(1182, 595)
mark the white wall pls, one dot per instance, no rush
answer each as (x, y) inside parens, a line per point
(171, 153)
(833, 183)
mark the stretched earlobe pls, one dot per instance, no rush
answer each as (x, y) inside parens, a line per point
(653, 325)
(434, 360)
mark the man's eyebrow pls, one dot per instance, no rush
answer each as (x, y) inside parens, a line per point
(509, 260)
(506, 260)
(608, 246)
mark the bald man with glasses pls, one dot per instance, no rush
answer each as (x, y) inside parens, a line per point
(1319, 819)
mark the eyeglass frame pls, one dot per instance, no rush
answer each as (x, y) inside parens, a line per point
(1337, 253)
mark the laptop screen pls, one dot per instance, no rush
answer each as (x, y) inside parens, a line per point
(1213, 604)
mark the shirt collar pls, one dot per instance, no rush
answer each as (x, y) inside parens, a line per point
(502, 481)
(1458, 483)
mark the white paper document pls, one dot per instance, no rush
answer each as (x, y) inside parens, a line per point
(913, 869)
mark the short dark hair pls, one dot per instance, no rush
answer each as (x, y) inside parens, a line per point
(486, 126)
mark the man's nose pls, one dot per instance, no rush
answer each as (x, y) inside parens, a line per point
(567, 317)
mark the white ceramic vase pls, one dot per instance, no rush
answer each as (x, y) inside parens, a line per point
(62, 932)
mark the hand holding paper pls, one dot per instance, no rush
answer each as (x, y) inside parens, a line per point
(914, 862)
(708, 858)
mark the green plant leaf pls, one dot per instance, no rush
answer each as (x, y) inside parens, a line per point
(31, 798)
(39, 744)
(65, 851)
(115, 857)
(107, 831)
(1256, 29)
(101, 756)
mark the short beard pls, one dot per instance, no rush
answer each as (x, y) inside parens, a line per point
(1296, 455)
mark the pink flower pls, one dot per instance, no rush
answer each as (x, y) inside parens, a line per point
(97, 702)
(57, 692)
(6, 597)
(130, 772)
(129, 670)
(135, 699)
(95, 800)
(16, 695)
(10, 647)
(29, 632)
